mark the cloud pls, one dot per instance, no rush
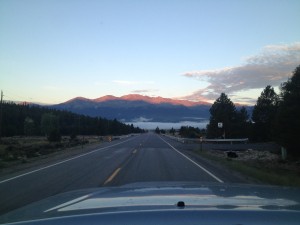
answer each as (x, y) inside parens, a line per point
(144, 91)
(272, 66)
(124, 82)
(142, 119)
(130, 83)
(245, 100)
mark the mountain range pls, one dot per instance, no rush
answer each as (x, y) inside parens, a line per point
(136, 108)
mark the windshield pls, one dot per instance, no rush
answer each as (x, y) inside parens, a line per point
(109, 93)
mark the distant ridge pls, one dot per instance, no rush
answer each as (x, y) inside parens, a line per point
(140, 108)
(134, 108)
(144, 98)
(78, 98)
(105, 98)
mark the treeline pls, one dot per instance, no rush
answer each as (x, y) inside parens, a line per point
(184, 131)
(31, 120)
(275, 117)
(226, 121)
(191, 132)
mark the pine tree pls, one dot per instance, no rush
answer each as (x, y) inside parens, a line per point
(222, 111)
(242, 125)
(288, 117)
(264, 113)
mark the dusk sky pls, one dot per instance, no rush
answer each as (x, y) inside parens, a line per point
(55, 50)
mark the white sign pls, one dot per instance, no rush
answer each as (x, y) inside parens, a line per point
(220, 125)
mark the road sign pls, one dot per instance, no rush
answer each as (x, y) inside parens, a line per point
(220, 125)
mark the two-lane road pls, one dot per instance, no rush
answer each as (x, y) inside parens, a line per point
(155, 159)
(143, 158)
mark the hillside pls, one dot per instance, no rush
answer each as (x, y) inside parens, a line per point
(132, 108)
(24, 119)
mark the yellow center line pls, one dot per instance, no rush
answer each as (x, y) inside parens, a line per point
(112, 176)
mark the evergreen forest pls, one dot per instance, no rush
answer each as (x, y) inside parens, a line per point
(33, 120)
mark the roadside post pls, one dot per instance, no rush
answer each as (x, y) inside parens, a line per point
(201, 140)
(220, 125)
(283, 153)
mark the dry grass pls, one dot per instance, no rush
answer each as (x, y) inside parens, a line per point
(274, 172)
(20, 149)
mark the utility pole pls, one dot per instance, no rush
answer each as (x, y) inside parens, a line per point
(1, 114)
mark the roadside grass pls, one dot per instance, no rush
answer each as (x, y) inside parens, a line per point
(258, 171)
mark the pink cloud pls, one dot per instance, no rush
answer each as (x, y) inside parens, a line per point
(272, 66)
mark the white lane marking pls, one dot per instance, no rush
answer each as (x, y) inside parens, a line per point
(113, 176)
(64, 161)
(205, 170)
(68, 203)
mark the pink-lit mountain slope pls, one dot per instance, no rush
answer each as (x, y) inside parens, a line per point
(152, 100)
(133, 107)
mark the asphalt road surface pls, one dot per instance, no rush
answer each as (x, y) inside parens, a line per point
(143, 158)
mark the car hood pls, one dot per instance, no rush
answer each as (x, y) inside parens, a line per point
(159, 197)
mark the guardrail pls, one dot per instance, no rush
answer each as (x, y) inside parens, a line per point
(244, 140)
(204, 140)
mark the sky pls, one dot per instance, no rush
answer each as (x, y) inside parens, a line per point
(55, 50)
